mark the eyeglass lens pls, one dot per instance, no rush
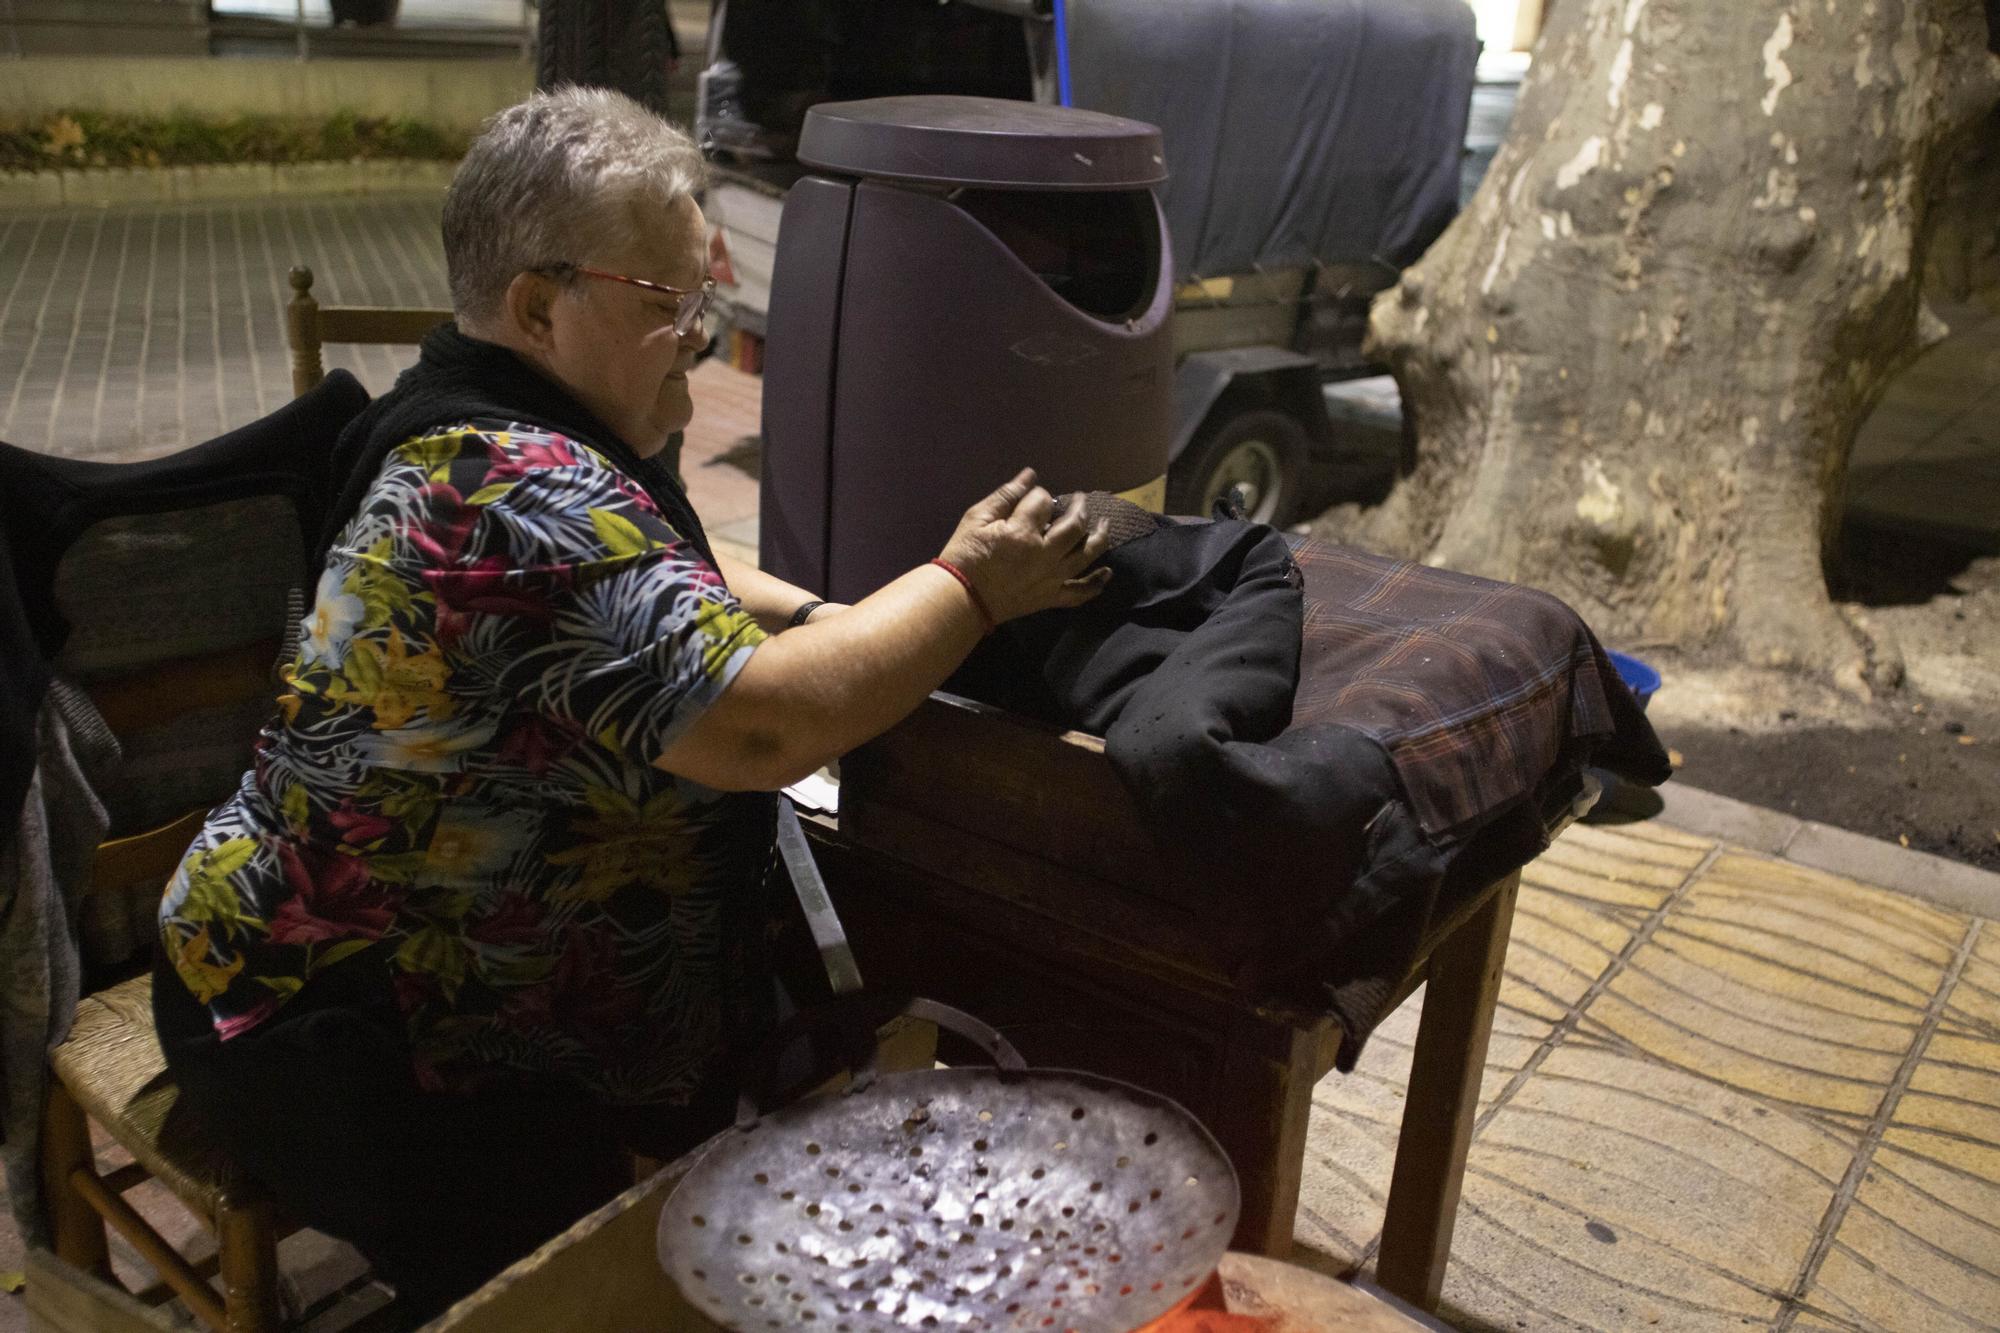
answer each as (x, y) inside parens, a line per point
(687, 314)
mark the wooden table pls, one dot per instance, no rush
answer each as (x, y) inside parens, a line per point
(997, 865)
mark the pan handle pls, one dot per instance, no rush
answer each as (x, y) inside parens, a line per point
(961, 1024)
(851, 1021)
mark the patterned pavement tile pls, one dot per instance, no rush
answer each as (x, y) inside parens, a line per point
(1790, 984)
(1920, 1247)
(127, 333)
(1578, 907)
(1613, 1192)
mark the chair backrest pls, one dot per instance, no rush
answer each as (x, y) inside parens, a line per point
(163, 591)
(116, 907)
(310, 325)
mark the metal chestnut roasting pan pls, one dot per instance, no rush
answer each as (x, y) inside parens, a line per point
(976, 1199)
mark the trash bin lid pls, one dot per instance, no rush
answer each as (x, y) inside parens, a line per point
(986, 142)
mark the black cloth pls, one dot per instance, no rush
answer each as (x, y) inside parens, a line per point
(439, 1191)
(46, 503)
(1337, 745)
(461, 379)
(24, 675)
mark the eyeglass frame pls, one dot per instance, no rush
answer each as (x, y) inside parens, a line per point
(688, 314)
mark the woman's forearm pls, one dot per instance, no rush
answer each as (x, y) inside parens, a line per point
(809, 696)
(813, 694)
(769, 599)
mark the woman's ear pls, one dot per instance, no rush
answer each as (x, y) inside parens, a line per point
(527, 309)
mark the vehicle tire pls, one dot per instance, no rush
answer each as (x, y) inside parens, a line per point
(571, 47)
(621, 44)
(1260, 453)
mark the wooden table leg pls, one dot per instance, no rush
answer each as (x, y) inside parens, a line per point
(1464, 983)
(1261, 1108)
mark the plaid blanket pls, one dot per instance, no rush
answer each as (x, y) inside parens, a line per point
(1485, 699)
(1333, 745)
(1476, 690)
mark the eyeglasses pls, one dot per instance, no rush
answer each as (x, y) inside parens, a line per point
(688, 310)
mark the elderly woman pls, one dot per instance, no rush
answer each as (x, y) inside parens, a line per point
(484, 915)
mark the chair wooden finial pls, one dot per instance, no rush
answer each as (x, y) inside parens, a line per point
(309, 326)
(302, 331)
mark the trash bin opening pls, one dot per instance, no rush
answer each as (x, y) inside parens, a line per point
(1099, 250)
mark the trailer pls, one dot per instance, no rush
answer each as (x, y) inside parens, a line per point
(1313, 151)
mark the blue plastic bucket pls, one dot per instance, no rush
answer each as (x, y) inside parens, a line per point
(1640, 678)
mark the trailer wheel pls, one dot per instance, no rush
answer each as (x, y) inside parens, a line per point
(1259, 454)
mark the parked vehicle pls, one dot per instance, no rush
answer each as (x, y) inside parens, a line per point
(1285, 223)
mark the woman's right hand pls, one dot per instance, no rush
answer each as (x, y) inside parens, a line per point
(1021, 562)
(805, 698)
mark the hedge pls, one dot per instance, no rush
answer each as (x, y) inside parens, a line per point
(66, 140)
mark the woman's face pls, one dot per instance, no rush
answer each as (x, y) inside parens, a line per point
(613, 344)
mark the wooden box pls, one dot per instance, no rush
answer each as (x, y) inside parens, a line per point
(997, 864)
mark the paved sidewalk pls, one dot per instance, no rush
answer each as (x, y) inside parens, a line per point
(1725, 1090)
(127, 333)
(1928, 458)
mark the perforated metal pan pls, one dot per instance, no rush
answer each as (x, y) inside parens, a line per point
(970, 1199)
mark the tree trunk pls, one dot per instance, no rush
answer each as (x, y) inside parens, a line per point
(1637, 362)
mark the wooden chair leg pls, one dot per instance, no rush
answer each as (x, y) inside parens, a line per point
(247, 1235)
(77, 1230)
(1463, 985)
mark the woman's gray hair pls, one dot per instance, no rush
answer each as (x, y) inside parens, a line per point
(553, 180)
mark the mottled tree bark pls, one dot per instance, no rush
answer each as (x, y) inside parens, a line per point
(1638, 360)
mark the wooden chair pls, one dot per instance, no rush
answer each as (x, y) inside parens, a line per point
(310, 325)
(111, 1071)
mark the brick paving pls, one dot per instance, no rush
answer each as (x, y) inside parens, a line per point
(129, 333)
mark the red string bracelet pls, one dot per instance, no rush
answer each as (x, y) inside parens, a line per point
(978, 602)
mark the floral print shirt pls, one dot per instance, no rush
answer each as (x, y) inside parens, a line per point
(460, 777)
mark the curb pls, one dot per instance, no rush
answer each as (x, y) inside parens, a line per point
(1945, 883)
(103, 187)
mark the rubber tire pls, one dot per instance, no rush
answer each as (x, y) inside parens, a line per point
(621, 44)
(1192, 474)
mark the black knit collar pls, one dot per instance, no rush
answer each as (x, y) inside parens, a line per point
(457, 379)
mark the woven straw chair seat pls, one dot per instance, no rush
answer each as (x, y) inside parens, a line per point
(112, 1064)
